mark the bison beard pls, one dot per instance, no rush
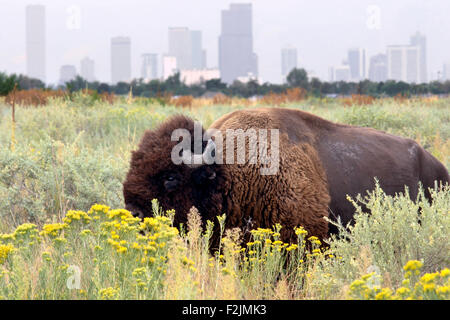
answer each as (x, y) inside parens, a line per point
(320, 164)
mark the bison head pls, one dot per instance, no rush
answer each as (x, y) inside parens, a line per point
(153, 175)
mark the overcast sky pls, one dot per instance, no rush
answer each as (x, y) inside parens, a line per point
(321, 30)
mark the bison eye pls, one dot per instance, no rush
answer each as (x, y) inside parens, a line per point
(171, 183)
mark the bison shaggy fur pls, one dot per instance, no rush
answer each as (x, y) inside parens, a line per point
(320, 164)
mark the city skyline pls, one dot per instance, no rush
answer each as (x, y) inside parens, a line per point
(72, 40)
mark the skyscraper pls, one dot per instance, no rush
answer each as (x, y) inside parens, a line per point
(342, 73)
(378, 68)
(120, 59)
(180, 47)
(198, 54)
(288, 60)
(149, 69)
(35, 42)
(186, 46)
(403, 63)
(236, 56)
(87, 69)
(446, 72)
(421, 42)
(357, 63)
(67, 73)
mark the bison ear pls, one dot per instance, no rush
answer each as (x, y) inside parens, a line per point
(203, 175)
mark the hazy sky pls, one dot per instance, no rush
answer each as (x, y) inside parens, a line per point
(321, 30)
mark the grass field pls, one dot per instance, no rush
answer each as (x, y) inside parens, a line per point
(61, 159)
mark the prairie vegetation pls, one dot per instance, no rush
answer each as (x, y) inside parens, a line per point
(70, 154)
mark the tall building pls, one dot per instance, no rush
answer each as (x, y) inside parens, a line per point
(236, 56)
(403, 63)
(420, 41)
(331, 74)
(169, 66)
(205, 60)
(186, 46)
(120, 59)
(87, 69)
(198, 54)
(446, 71)
(357, 63)
(180, 47)
(378, 68)
(35, 42)
(149, 69)
(288, 60)
(342, 73)
(67, 73)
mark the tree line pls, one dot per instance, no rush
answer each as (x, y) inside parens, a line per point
(297, 78)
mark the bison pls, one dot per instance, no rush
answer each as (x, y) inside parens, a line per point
(319, 164)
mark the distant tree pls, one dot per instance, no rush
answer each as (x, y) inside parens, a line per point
(316, 87)
(76, 84)
(215, 85)
(7, 83)
(122, 88)
(436, 87)
(252, 87)
(173, 82)
(446, 86)
(392, 88)
(420, 89)
(104, 87)
(26, 83)
(238, 88)
(298, 78)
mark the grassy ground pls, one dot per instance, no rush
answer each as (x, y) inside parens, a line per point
(70, 155)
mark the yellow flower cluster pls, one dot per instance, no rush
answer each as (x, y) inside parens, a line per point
(314, 240)
(413, 265)
(430, 286)
(73, 215)
(98, 209)
(300, 231)
(109, 294)
(26, 234)
(5, 251)
(140, 276)
(118, 245)
(53, 230)
(261, 233)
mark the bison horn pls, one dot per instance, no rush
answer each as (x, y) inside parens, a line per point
(198, 160)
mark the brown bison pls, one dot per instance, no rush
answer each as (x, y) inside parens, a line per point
(319, 164)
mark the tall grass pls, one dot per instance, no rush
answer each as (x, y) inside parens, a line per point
(70, 154)
(108, 254)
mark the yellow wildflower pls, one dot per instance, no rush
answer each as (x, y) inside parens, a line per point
(109, 294)
(5, 251)
(412, 265)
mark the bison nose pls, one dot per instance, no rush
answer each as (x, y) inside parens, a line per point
(135, 211)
